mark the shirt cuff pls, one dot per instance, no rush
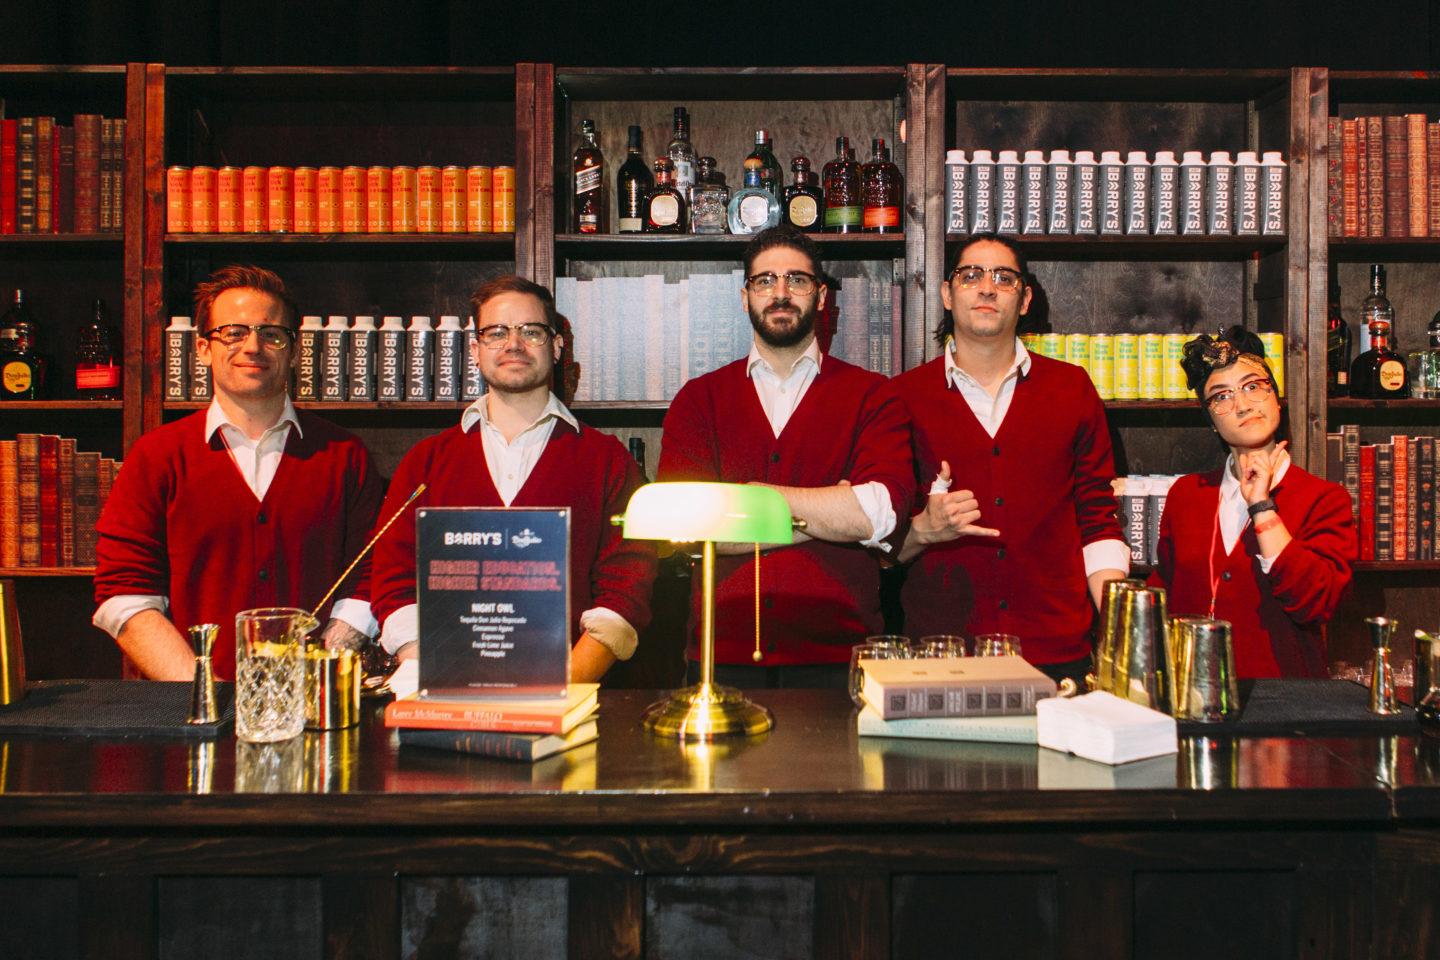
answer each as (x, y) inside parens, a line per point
(357, 614)
(400, 628)
(112, 615)
(1106, 555)
(874, 498)
(1266, 562)
(611, 630)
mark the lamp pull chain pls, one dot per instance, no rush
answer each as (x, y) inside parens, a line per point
(757, 656)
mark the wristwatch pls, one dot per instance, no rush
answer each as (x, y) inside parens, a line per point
(1259, 508)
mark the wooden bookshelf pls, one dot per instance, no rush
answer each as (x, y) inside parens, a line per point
(47, 571)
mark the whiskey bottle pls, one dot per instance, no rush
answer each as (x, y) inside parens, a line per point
(771, 177)
(804, 200)
(665, 206)
(1379, 373)
(97, 365)
(882, 189)
(1375, 307)
(1337, 348)
(709, 199)
(753, 208)
(682, 155)
(591, 210)
(22, 372)
(843, 205)
(632, 184)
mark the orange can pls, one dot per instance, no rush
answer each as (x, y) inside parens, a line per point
(177, 200)
(402, 200)
(280, 199)
(377, 200)
(254, 202)
(202, 200)
(479, 205)
(427, 199)
(452, 200)
(306, 186)
(327, 200)
(227, 200)
(352, 200)
(502, 200)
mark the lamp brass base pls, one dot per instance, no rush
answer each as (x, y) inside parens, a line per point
(706, 712)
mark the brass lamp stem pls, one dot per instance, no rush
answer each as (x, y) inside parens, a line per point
(707, 614)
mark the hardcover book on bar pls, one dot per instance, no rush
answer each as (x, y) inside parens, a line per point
(954, 687)
(525, 747)
(542, 716)
(1004, 729)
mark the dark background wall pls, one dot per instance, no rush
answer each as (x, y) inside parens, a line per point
(1379, 34)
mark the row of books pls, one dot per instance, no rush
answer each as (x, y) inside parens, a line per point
(50, 500)
(642, 338)
(507, 729)
(1392, 491)
(1383, 177)
(62, 179)
(1142, 503)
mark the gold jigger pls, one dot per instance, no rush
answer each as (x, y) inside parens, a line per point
(203, 708)
(1104, 676)
(12, 649)
(1382, 676)
(332, 688)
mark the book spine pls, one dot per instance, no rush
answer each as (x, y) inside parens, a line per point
(44, 174)
(87, 506)
(1432, 176)
(1334, 174)
(117, 174)
(1350, 440)
(87, 173)
(1412, 491)
(1397, 177)
(1334, 457)
(1350, 178)
(107, 175)
(9, 505)
(1362, 152)
(65, 502)
(49, 469)
(1426, 493)
(103, 480)
(1375, 165)
(898, 702)
(1366, 520)
(1384, 501)
(439, 716)
(65, 180)
(1399, 502)
(505, 746)
(1417, 194)
(25, 177)
(9, 135)
(28, 471)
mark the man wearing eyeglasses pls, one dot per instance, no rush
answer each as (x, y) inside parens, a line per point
(248, 503)
(833, 440)
(1019, 518)
(519, 446)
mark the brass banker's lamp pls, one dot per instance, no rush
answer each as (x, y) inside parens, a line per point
(707, 513)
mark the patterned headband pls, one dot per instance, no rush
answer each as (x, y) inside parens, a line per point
(1216, 353)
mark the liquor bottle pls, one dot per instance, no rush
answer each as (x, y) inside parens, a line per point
(1375, 307)
(1379, 373)
(1337, 348)
(97, 365)
(709, 200)
(1425, 364)
(804, 200)
(753, 208)
(883, 190)
(682, 155)
(843, 205)
(665, 205)
(632, 184)
(771, 176)
(22, 373)
(591, 210)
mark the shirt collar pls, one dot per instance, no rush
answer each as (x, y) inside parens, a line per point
(1230, 485)
(953, 374)
(479, 412)
(812, 353)
(215, 418)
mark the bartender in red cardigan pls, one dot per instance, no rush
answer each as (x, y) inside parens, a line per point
(1261, 543)
(248, 503)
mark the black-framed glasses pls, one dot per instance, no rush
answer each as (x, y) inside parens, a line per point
(1003, 278)
(797, 282)
(271, 335)
(498, 334)
(1223, 401)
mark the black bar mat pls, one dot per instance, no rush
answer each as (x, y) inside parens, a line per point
(113, 708)
(1305, 708)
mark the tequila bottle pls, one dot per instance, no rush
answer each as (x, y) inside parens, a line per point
(710, 200)
(753, 208)
(682, 154)
(804, 200)
(771, 177)
(1379, 373)
(22, 372)
(665, 206)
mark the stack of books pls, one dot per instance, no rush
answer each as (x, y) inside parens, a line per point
(1383, 176)
(508, 729)
(1392, 492)
(51, 496)
(59, 179)
(962, 698)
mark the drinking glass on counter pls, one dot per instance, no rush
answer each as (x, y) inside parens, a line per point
(997, 645)
(880, 647)
(940, 645)
(270, 673)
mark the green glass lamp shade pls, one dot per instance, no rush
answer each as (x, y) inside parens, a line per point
(716, 512)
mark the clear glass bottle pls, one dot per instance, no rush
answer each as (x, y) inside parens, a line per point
(709, 200)
(772, 178)
(682, 154)
(841, 176)
(1375, 307)
(665, 206)
(753, 208)
(1337, 348)
(97, 364)
(804, 201)
(632, 184)
(883, 190)
(1425, 365)
(22, 372)
(592, 211)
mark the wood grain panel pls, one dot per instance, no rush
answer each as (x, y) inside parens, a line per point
(117, 916)
(979, 915)
(445, 917)
(241, 917)
(852, 916)
(1135, 297)
(728, 918)
(1098, 125)
(361, 915)
(1205, 914)
(607, 918)
(41, 918)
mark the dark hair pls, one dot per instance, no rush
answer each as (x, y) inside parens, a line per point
(782, 236)
(1206, 354)
(241, 277)
(947, 323)
(510, 283)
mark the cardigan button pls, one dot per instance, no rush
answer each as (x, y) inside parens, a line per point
(263, 574)
(997, 449)
(774, 458)
(260, 517)
(1000, 554)
(1225, 575)
(1004, 605)
(999, 501)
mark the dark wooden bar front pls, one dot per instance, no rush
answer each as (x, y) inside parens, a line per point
(809, 842)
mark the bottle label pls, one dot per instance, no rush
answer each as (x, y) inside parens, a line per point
(16, 376)
(684, 173)
(804, 211)
(882, 216)
(754, 211)
(631, 224)
(587, 180)
(1342, 377)
(842, 216)
(1392, 375)
(664, 210)
(94, 376)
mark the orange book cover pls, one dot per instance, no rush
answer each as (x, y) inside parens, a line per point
(504, 716)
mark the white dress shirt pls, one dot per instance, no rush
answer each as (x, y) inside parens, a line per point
(257, 461)
(510, 463)
(779, 397)
(1235, 512)
(990, 410)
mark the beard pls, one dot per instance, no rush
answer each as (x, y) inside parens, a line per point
(513, 379)
(787, 334)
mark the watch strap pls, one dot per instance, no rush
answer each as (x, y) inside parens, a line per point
(1261, 507)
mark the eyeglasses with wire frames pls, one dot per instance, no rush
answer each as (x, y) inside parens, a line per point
(496, 335)
(1003, 278)
(270, 335)
(798, 282)
(1222, 402)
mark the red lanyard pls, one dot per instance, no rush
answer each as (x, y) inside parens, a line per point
(1215, 542)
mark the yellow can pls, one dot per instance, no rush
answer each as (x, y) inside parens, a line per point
(352, 200)
(1152, 366)
(1174, 346)
(306, 187)
(280, 199)
(1077, 349)
(479, 200)
(177, 200)
(427, 199)
(377, 200)
(328, 200)
(502, 200)
(452, 200)
(1275, 357)
(228, 200)
(254, 199)
(1102, 364)
(1052, 345)
(202, 200)
(1127, 366)
(1031, 341)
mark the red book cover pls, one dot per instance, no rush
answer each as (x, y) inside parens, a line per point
(28, 474)
(1334, 193)
(1367, 501)
(1362, 184)
(1375, 173)
(9, 133)
(1432, 175)
(1397, 177)
(64, 179)
(25, 176)
(528, 716)
(44, 174)
(1350, 178)
(9, 504)
(49, 500)
(1412, 496)
(65, 496)
(87, 172)
(1399, 444)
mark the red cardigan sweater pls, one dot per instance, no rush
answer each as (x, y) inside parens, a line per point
(585, 470)
(1277, 620)
(1043, 481)
(180, 521)
(818, 598)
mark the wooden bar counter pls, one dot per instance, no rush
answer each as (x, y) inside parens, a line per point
(809, 842)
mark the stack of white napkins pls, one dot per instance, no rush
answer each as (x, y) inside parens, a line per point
(1102, 727)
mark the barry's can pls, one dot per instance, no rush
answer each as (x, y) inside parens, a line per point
(1102, 364)
(328, 200)
(1127, 366)
(228, 200)
(177, 201)
(202, 200)
(502, 200)
(452, 200)
(1275, 357)
(306, 185)
(1152, 366)
(280, 199)
(1052, 345)
(254, 199)
(1077, 349)
(1174, 376)
(402, 199)
(479, 202)
(377, 200)
(352, 200)
(427, 199)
